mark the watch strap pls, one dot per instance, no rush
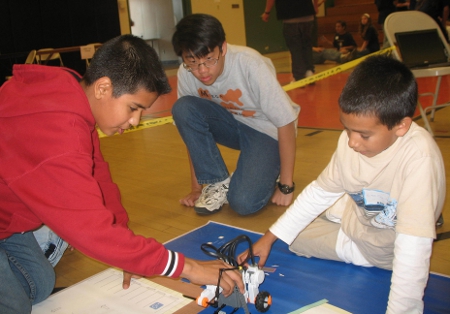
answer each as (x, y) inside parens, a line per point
(286, 189)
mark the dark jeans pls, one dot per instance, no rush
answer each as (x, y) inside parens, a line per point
(329, 54)
(27, 277)
(203, 124)
(298, 37)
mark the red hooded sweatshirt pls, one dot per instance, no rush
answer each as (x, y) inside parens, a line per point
(52, 172)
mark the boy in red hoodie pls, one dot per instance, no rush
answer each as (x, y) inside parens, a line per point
(52, 172)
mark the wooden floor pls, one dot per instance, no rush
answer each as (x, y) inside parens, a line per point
(151, 169)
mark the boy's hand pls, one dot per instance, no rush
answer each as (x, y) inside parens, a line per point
(265, 17)
(282, 199)
(261, 249)
(189, 200)
(127, 279)
(318, 49)
(207, 273)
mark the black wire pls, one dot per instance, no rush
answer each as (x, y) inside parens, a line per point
(218, 281)
(227, 252)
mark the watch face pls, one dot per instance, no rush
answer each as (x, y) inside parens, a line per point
(286, 189)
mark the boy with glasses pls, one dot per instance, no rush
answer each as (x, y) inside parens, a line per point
(230, 95)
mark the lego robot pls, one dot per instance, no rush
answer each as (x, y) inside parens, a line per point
(252, 277)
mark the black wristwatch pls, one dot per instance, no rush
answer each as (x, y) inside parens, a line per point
(286, 189)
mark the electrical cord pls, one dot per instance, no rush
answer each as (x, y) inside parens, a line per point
(227, 252)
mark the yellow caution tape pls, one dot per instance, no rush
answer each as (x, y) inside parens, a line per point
(338, 69)
(143, 125)
(306, 81)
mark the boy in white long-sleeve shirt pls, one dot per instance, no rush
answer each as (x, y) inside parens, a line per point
(377, 201)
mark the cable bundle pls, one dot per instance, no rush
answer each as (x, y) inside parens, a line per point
(227, 252)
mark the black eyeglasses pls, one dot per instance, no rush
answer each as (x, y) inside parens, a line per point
(193, 67)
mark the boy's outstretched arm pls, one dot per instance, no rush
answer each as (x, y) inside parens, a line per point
(261, 248)
(286, 143)
(203, 273)
(207, 273)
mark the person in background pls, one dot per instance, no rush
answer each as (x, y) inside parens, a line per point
(377, 202)
(52, 172)
(369, 35)
(384, 7)
(439, 10)
(401, 5)
(315, 30)
(343, 44)
(298, 23)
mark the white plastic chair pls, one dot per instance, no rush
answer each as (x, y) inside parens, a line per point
(406, 21)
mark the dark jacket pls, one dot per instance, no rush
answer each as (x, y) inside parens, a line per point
(290, 9)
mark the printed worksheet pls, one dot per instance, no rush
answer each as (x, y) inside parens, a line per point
(103, 294)
(320, 307)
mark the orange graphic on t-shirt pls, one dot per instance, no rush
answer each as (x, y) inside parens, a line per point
(203, 93)
(231, 102)
(232, 95)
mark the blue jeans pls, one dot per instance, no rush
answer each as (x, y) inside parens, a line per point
(203, 124)
(327, 54)
(27, 277)
(298, 37)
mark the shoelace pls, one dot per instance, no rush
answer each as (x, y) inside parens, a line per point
(213, 189)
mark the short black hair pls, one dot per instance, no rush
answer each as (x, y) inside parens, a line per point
(343, 23)
(198, 34)
(131, 64)
(383, 87)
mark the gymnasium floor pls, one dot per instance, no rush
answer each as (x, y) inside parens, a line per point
(151, 169)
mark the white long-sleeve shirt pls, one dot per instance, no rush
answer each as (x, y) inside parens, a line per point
(387, 215)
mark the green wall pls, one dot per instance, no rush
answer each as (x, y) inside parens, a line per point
(262, 36)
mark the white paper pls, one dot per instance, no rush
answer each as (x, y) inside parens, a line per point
(103, 294)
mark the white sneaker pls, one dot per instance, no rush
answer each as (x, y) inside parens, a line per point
(308, 74)
(213, 197)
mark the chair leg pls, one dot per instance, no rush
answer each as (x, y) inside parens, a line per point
(435, 98)
(425, 119)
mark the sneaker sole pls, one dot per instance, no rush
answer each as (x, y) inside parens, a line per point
(205, 211)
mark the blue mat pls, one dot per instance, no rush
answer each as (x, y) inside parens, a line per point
(300, 281)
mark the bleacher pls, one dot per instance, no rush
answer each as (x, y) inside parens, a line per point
(349, 11)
